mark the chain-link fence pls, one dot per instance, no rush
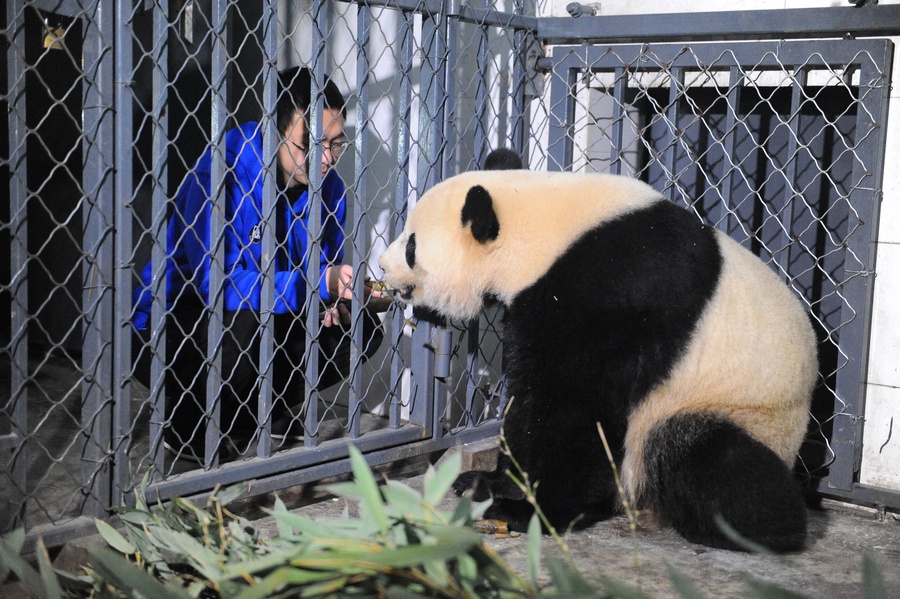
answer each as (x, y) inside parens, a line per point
(173, 243)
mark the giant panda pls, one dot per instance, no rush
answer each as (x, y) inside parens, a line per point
(622, 309)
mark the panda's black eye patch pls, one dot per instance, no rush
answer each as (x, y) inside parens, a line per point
(411, 250)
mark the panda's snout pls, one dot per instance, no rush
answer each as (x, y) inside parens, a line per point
(406, 292)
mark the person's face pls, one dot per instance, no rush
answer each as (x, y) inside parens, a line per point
(293, 151)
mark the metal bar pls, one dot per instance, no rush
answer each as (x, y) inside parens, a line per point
(722, 218)
(673, 115)
(783, 253)
(450, 132)
(859, 494)
(837, 22)
(520, 78)
(495, 18)
(762, 55)
(124, 194)
(159, 251)
(427, 8)
(293, 459)
(14, 514)
(618, 127)
(562, 112)
(314, 233)
(363, 122)
(301, 465)
(98, 265)
(865, 198)
(217, 216)
(267, 251)
(404, 111)
(481, 95)
(430, 163)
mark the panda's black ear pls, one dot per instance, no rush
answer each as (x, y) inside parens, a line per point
(479, 210)
(503, 159)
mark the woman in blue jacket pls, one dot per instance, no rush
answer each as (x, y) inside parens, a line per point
(187, 277)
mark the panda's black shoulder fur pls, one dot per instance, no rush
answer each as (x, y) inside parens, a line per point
(503, 159)
(637, 285)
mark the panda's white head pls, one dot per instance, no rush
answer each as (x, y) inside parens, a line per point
(442, 260)
(493, 233)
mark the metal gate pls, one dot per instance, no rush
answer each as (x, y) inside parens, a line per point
(111, 103)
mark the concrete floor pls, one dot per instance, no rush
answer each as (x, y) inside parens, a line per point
(830, 567)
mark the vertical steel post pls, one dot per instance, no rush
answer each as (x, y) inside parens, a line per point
(271, 138)
(619, 115)
(673, 115)
(314, 233)
(14, 515)
(859, 267)
(431, 128)
(159, 251)
(361, 185)
(562, 114)
(784, 252)
(722, 218)
(122, 331)
(404, 113)
(520, 77)
(216, 310)
(98, 266)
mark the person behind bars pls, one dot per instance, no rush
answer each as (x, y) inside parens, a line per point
(188, 269)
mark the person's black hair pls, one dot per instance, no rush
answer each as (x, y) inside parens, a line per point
(295, 91)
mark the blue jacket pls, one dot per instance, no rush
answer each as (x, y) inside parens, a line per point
(187, 237)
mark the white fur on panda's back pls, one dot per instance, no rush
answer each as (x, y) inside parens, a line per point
(541, 214)
(757, 364)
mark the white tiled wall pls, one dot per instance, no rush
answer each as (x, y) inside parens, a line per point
(881, 448)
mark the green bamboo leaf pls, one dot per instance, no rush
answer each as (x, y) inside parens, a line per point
(533, 554)
(281, 578)
(438, 572)
(371, 502)
(13, 542)
(18, 566)
(113, 537)
(129, 579)
(683, 585)
(288, 523)
(284, 529)
(229, 494)
(463, 512)
(133, 516)
(468, 568)
(873, 580)
(203, 558)
(52, 590)
(438, 482)
(568, 583)
(403, 501)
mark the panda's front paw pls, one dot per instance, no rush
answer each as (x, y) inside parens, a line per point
(476, 481)
(487, 485)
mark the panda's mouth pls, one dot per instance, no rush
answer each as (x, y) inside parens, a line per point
(406, 292)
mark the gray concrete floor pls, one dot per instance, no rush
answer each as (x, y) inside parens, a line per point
(830, 567)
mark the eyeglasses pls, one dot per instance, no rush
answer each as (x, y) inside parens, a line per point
(335, 148)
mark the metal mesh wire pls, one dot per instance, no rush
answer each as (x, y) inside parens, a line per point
(767, 144)
(107, 119)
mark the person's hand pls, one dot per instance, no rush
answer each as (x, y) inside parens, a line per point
(340, 287)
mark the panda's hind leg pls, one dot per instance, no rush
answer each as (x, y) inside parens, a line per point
(698, 466)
